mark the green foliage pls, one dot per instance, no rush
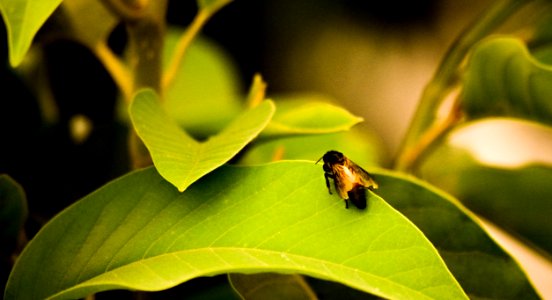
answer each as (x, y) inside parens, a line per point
(361, 147)
(140, 233)
(179, 158)
(503, 78)
(462, 243)
(205, 93)
(517, 195)
(13, 212)
(309, 116)
(413, 241)
(90, 22)
(23, 19)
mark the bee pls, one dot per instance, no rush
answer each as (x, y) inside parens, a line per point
(350, 180)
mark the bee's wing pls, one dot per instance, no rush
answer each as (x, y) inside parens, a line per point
(365, 178)
(340, 182)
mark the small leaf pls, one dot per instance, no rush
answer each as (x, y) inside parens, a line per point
(179, 158)
(139, 233)
(23, 19)
(305, 116)
(482, 268)
(13, 212)
(503, 79)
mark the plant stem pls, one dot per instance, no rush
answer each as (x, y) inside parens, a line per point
(433, 136)
(444, 80)
(146, 38)
(146, 46)
(203, 15)
(118, 70)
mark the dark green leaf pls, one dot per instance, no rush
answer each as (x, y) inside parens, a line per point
(511, 187)
(504, 79)
(483, 269)
(13, 212)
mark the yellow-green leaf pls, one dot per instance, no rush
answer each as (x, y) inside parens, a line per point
(178, 157)
(23, 19)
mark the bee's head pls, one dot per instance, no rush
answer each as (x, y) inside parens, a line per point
(333, 157)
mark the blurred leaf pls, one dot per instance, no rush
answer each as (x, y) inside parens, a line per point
(362, 147)
(503, 78)
(481, 267)
(515, 196)
(23, 19)
(205, 94)
(179, 158)
(540, 43)
(266, 286)
(308, 115)
(91, 22)
(13, 212)
(212, 5)
(139, 233)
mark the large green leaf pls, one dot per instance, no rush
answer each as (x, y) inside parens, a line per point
(483, 269)
(510, 187)
(140, 233)
(504, 79)
(179, 158)
(23, 19)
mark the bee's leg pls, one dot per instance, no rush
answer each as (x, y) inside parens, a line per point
(327, 176)
(346, 204)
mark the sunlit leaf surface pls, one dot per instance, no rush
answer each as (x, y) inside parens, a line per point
(178, 157)
(138, 232)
